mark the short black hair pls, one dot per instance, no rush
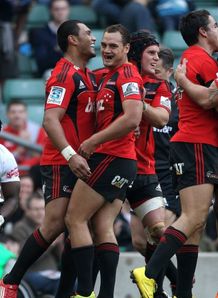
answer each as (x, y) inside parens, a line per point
(67, 28)
(140, 40)
(16, 102)
(167, 57)
(123, 31)
(191, 23)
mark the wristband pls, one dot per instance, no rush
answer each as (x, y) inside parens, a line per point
(68, 152)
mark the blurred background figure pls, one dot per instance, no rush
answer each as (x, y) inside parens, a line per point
(43, 40)
(9, 249)
(110, 10)
(136, 15)
(169, 12)
(19, 125)
(13, 15)
(43, 275)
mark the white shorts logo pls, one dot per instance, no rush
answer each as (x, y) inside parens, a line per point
(56, 95)
(131, 88)
(165, 102)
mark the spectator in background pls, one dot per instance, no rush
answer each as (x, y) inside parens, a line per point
(10, 11)
(9, 249)
(26, 190)
(136, 15)
(110, 10)
(169, 12)
(44, 41)
(47, 264)
(20, 126)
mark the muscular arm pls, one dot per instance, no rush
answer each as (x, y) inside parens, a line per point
(10, 191)
(117, 129)
(52, 125)
(205, 97)
(156, 116)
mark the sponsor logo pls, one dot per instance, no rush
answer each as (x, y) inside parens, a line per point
(131, 88)
(56, 95)
(12, 173)
(179, 168)
(119, 181)
(165, 129)
(90, 107)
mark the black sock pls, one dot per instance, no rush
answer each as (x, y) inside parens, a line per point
(83, 260)
(33, 248)
(108, 257)
(171, 273)
(95, 266)
(150, 248)
(170, 242)
(67, 281)
(187, 257)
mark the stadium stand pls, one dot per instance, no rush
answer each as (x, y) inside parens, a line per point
(85, 14)
(30, 90)
(38, 16)
(174, 41)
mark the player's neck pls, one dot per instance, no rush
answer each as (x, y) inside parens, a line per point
(76, 61)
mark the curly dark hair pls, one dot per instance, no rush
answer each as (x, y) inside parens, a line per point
(139, 41)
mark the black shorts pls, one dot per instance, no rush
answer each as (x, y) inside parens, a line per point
(193, 164)
(171, 197)
(111, 175)
(57, 181)
(145, 187)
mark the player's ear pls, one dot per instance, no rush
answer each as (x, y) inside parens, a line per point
(72, 39)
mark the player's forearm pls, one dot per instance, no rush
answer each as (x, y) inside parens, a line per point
(156, 116)
(55, 132)
(199, 94)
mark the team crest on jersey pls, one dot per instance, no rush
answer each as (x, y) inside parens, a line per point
(131, 88)
(165, 101)
(56, 95)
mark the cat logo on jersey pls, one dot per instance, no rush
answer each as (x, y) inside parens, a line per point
(56, 95)
(131, 88)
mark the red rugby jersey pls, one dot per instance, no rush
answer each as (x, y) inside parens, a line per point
(120, 84)
(74, 90)
(197, 125)
(158, 94)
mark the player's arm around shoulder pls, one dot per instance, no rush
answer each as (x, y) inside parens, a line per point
(207, 98)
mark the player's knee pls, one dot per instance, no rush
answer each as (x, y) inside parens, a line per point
(155, 232)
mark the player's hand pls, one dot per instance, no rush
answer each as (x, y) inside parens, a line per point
(180, 71)
(87, 148)
(79, 167)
